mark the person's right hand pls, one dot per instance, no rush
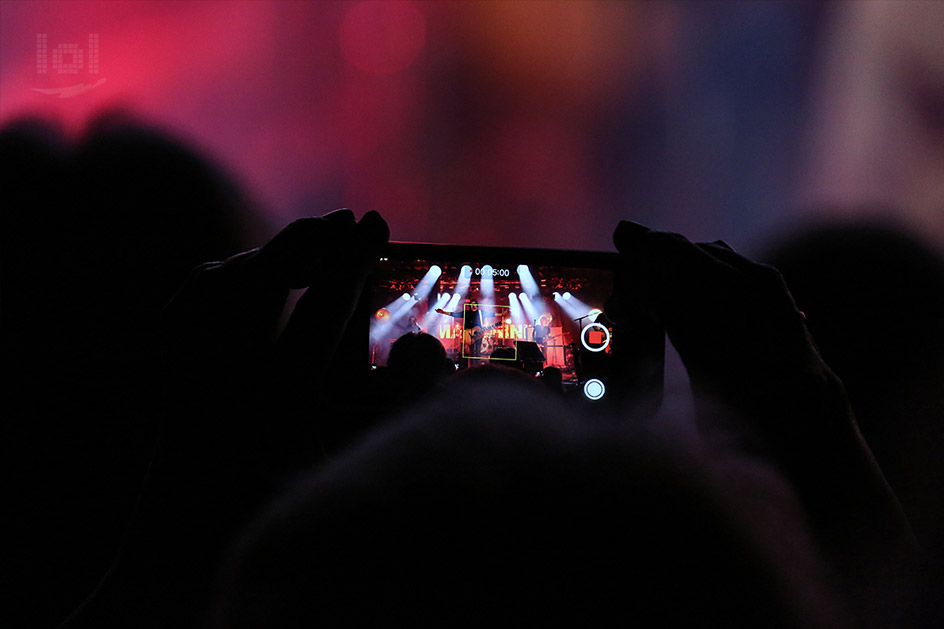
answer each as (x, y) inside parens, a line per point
(733, 321)
(749, 356)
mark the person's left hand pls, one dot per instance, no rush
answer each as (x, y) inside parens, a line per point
(228, 312)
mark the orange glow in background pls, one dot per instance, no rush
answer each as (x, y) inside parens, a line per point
(515, 123)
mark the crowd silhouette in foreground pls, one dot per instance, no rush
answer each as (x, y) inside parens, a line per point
(181, 454)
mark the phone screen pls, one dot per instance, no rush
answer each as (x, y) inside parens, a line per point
(534, 309)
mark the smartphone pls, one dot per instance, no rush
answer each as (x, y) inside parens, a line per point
(539, 310)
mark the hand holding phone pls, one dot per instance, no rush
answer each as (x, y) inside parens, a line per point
(533, 309)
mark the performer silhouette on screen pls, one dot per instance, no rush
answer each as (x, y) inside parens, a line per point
(542, 334)
(473, 327)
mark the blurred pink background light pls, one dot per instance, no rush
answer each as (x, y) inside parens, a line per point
(519, 123)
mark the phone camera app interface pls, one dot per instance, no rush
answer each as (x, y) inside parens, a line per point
(532, 316)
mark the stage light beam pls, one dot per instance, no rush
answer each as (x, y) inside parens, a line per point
(465, 277)
(530, 309)
(380, 330)
(528, 284)
(518, 316)
(454, 302)
(425, 286)
(431, 315)
(571, 305)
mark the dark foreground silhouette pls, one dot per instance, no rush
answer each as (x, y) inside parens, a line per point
(253, 489)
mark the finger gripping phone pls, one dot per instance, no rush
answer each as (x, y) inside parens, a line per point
(538, 310)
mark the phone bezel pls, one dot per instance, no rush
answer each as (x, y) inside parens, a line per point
(639, 335)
